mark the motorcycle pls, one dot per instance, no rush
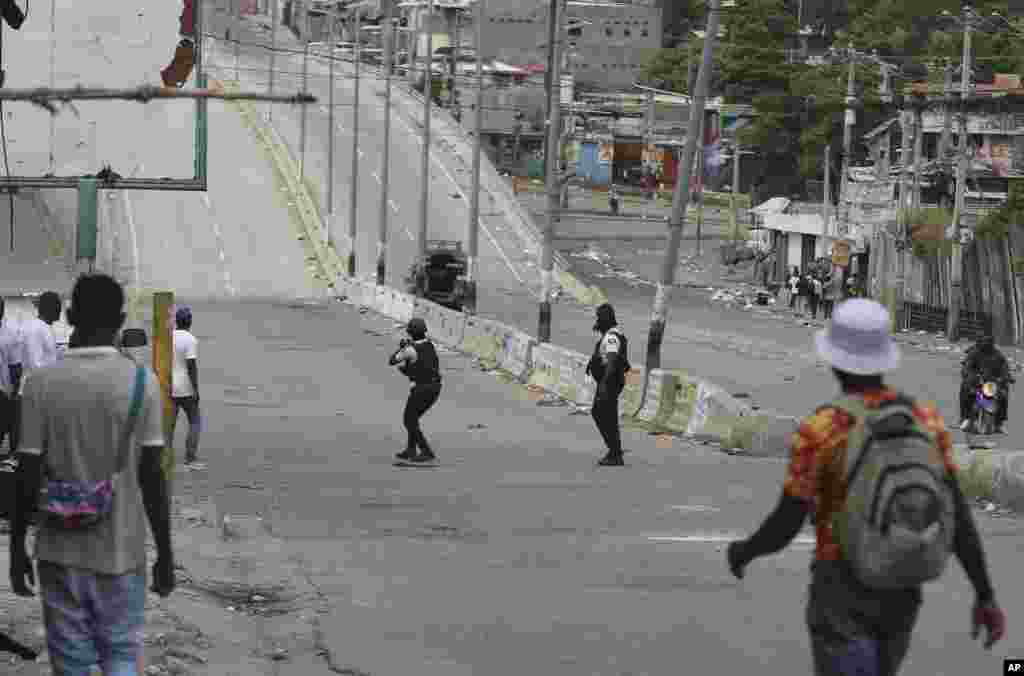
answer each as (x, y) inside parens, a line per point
(985, 403)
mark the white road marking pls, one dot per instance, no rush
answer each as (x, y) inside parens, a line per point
(694, 508)
(375, 175)
(228, 286)
(394, 207)
(718, 538)
(129, 213)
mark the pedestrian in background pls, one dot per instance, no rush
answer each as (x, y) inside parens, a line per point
(794, 288)
(867, 574)
(416, 357)
(185, 383)
(649, 186)
(93, 438)
(608, 366)
(817, 291)
(38, 337)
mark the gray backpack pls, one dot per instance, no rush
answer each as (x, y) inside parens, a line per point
(897, 524)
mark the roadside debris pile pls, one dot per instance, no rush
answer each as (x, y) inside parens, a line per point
(745, 295)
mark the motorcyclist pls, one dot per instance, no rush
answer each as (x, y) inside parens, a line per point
(984, 362)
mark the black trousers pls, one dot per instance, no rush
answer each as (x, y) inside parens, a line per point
(421, 398)
(967, 395)
(605, 412)
(857, 631)
(9, 415)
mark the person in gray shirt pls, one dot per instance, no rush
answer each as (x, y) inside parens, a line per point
(93, 580)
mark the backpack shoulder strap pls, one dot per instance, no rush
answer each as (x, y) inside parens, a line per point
(858, 437)
(138, 390)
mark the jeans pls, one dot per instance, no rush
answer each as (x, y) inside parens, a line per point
(92, 619)
(191, 408)
(421, 398)
(857, 631)
(605, 413)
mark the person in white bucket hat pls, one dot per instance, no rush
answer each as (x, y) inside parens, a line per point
(864, 600)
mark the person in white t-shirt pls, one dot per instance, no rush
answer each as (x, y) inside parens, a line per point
(185, 382)
(38, 338)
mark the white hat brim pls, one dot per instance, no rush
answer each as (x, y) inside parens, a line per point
(862, 365)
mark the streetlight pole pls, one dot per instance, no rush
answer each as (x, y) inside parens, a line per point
(390, 32)
(273, 54)
(331, 129)
(428, 87)
(681, 196)
(353, 192)
(553, 187)
(305, 109)
(474, 204)
(552, 34)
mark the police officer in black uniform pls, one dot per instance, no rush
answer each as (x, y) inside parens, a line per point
(609, 366)
(416, 357)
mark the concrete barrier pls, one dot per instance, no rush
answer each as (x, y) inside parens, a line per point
(443, 325)
(383, 300)
(562, 372)
(993, 475)
(403, 306)
(516, 354)
(484, 339)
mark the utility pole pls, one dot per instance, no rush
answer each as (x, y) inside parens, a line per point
(353, 191)
(649, 141)
(681, 196)
(53, 83)
(956, 272)
(849, 120)
(390, 33)
(238, 37)
(736, 154)
(947, 113)
(826, 202)
(331, 129)
(273, 54)
(305, 109)
(553, 184)
(428, 90)
(552, 35)
(918, 154)
(700, 186)
(473, 238)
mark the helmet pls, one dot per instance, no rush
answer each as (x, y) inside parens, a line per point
(183, 315)
(417, 328)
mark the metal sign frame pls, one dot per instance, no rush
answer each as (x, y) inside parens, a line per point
(198, 183)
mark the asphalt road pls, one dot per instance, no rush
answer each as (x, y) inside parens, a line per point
(517, 555)
(448, 207)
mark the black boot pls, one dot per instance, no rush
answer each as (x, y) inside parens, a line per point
(611, 460)
(426, 455)
(407, 455)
